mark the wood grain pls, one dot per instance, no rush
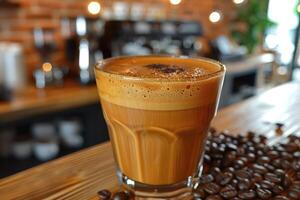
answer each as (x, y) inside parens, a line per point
(32, 101)
(81, 175)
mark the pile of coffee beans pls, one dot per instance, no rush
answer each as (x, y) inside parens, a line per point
(244, 167)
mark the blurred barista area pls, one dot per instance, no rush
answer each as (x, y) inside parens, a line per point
(124, 29)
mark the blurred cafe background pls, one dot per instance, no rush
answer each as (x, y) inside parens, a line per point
(48, 99)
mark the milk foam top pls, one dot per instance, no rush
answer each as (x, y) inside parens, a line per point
(159, 82)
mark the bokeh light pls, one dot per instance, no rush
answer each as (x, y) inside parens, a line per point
(238, 1)
(175, 2)
(94, 7)
(215, 16)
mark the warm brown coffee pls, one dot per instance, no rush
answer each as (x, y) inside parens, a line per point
(158, 110)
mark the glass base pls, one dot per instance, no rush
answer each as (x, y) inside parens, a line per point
(181, 190)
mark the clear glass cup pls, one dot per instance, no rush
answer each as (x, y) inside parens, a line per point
(158, 126)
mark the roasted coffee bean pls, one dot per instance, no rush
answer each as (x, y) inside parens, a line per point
(262, 160)
(214, 197)
(241, 139)
(263, 139)
(251, 157)
(240, 151)
(296, 154)
(257, 177)
(280, 197)
(216, 163)
(296, 185)
(285, 164)
(207, 158)
(226, 163)
(244, 184)
(242, 174)
(238, 164)
(211, 188)
(259, 169)
(215, 171)
(229, 169)
(231, 147)
(259, 153)
(291, 147)
(277, 189)
(216, 155)
(273, 154)
(286, 182)
(250, 135)
(280, 173)
(294, 194)
(286, 156)
(206, 178)
(272, 178)
(104, 194)
(228, 192)
(250, 194)
(234, 182)
(224, 178)
(279, 148)
(266, 184)
(277, 163)
(251, 149)
(292, 138)
(269, 167)
(244, 159)
(263, 193)
(230, 156)
(266, 149)
(214, 147)
(296, 165)
(121, 196)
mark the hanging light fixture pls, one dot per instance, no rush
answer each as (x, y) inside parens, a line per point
(215, 16)
(175, 2)
(94, 7)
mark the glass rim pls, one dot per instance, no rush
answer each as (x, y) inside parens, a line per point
(100, 64)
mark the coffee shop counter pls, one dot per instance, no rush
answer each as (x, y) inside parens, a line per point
(31, 101)
(82, 174)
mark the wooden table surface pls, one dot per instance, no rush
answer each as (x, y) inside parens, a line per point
(81, 175)
(32, 101)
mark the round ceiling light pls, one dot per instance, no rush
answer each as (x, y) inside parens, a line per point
(94, 7)
(175, 2)
(215, 16)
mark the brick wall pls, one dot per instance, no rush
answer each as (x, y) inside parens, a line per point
(17, 22)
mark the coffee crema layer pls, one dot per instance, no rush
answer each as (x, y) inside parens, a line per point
(154, 82)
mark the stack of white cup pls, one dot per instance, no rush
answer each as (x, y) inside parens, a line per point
(70, 133)
(46, 145)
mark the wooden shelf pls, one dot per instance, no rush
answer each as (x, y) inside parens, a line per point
(32, 101)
